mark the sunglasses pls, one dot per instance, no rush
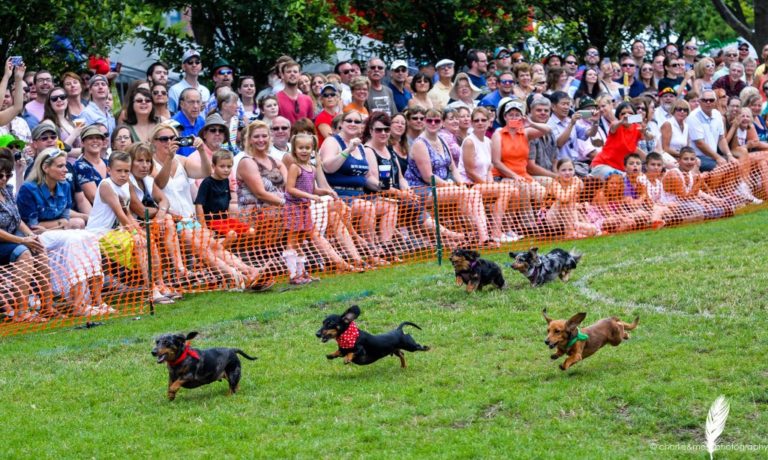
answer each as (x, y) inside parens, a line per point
(503, 56)
(217, 130)
(732, 54)
(417, 118)
(280, 128)
(142, 101)
(433, 121)
(676, 64)
(6, 175)
(593, 53)
(628, 65)
(346, 72)
(193, 62)
(681, 109)
(47, 138)
(224, 72)
(381, 130)
(507, 82)
(479, 120)
(646, 69)
(693, 48)
(400, 69)
(165, 139)
(60, 97)
(571, 62)
(376, 67)
(159, 93)
(329, 95)
(707, 100)
(354, 122)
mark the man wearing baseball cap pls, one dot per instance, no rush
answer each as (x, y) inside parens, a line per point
(398, 76)
(440, 93)
(98, 111)
(192, 67)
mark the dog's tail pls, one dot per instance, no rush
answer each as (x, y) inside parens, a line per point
(576, 256)
(407, 323)
(242, 353)
(628, 326)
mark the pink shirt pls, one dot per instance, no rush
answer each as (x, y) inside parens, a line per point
(302, 107)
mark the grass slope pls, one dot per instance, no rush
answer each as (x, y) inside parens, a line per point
(486, 390)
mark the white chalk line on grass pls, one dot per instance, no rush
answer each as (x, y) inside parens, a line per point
(592, 294)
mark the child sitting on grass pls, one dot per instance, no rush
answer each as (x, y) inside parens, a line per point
(565, 191)
(212, 202)
(685, 187)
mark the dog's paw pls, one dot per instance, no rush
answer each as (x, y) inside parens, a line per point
(171, 396)
(562, 367)
(331, 356)
(554, 356)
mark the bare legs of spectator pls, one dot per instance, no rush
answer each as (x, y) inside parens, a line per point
(503, 192)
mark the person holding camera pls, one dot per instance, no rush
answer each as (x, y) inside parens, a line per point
(190, 119)
(626, 131)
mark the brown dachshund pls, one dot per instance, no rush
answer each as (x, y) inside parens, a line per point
(583, 343)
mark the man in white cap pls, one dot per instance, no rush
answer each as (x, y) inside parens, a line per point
(380, 97)
(398, 76)
(192, 67)
(440, 93)
(98, 111)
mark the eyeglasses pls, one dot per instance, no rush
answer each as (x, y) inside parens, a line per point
(707, 100)
(193, 62)
(628, 64)
(224, 72)
(60, 97)
(44, 80)
(639, 109)
(571, 62)
(593, 53)
(446, 67)
(329, 95)
(381, 130)
(681, 109)
(165, 139)
(217, 130)
(400, 69)
(281, 128)
(354, 122)
(142, 101)
(123, 138)
(690, 47)
(376, 67)
(159, 93)
(479, 120)
(676, 64)
(432, 121)
(47, 138)
(507, 82)
(732, 54)
(296, 106)
(503, 56)
(417, 118)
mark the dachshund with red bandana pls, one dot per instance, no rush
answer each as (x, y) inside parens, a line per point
(360, 347)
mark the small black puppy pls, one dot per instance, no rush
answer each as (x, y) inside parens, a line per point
(542, 269)
(360, 347)
(191, 367)
(475, 272)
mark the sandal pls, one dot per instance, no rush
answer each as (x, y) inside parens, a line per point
(299, 281)
(87, 312)
(162, 300)
(104, 309)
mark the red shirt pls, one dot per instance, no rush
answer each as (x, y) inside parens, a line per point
(324, 118)
(617, 146)
(302, 107)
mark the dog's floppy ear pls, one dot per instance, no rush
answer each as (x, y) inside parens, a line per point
(575, 320)
(351, 314)
(472, 255)
(544, 312)
(191, 335)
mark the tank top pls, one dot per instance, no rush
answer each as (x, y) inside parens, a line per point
(102, 218)
(388, 170)
(178, 191)
(304, 182)
(352, 172)
(273, 181)
(482, 157)
(514, 153)
(679, 137)
(762, 130)
(440, 161)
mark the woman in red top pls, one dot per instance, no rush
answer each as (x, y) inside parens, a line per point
(621, 141)
(509, 154)
(324, 120)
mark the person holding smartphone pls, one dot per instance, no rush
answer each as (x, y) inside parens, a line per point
(625, 133)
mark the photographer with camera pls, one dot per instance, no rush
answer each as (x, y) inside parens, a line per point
(190, 119)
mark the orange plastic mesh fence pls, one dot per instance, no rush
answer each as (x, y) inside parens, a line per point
(83, 277)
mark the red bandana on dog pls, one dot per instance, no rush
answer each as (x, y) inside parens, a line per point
(188, 352)
(349, 337)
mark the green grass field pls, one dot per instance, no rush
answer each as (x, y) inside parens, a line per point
(487, 389)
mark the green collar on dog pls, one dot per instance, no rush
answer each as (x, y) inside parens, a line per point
(580, 336)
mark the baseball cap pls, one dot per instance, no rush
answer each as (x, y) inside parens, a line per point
(505, 105)
(587, 102)
(499, 50)
(330, 86)
(398, 63)
(92, 130)
(667, 90)
(10, 141)
(42, 128)
(96, 78)
(444, 62)
(188, 55)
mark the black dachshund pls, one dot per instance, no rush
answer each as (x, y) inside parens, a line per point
(360, 347)
(542, 269)
(475, 272)
(190, 368)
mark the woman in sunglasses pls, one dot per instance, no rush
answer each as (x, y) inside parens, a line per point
(140, 116)
(160, 101)
(329, 98)
(45, 206)
(56, 109)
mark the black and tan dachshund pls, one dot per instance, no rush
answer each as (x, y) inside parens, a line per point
(542, 269)
(360, 347)
(475, 272)
(190, 367)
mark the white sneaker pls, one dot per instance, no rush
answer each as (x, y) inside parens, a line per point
(509, 237)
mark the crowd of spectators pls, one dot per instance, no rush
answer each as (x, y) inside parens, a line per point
(570, 146)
